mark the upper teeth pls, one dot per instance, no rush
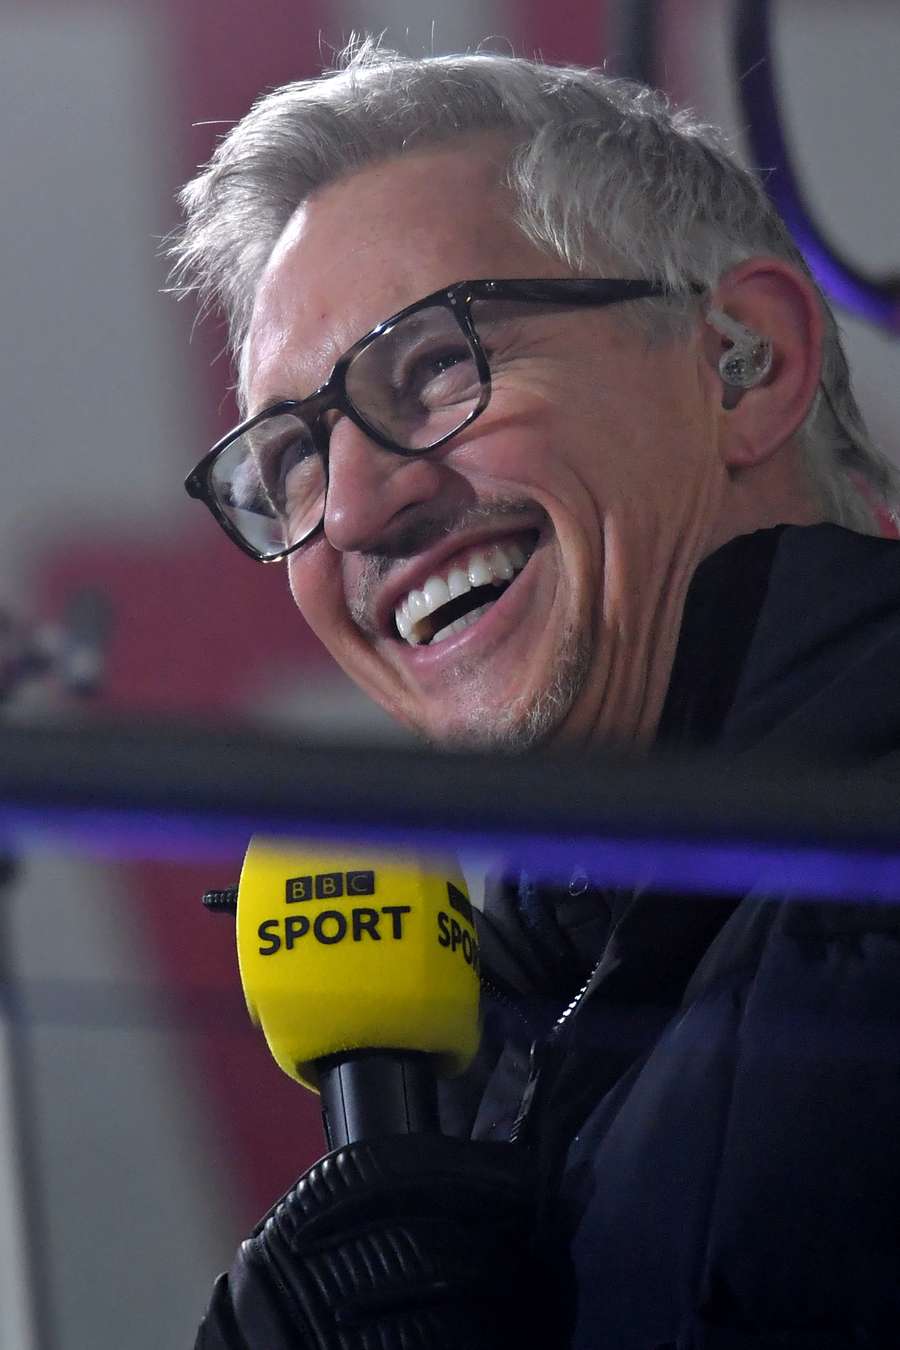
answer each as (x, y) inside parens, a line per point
(497, 565)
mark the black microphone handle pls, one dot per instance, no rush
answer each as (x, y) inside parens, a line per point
(367, 1093)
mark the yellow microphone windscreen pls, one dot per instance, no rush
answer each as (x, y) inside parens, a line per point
(343, 951)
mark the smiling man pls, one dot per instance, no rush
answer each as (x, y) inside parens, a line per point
(333, 207)
(557, 491)
(555, 435)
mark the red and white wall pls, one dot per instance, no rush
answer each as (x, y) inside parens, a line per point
(160, 1127)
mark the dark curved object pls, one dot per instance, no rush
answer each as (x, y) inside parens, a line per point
(20, 1089)
(872, 298)
(633, 39)
(693, 823)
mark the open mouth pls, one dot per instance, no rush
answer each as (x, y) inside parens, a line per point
(452, 601)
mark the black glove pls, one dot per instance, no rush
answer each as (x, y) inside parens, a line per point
(410, 1241)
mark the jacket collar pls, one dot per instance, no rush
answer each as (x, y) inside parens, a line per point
(789, 646)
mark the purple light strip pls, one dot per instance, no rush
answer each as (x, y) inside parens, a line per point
(717, 867)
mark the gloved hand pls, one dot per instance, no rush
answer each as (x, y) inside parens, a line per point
(409, 1241)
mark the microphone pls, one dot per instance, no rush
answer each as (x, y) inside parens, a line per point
(361, 968)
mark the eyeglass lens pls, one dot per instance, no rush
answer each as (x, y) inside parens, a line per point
(414, 384)
(270, 483)
(417, 381)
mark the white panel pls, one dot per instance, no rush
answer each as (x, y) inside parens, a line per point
(838, 71)
(133, 1189)
(95, 426)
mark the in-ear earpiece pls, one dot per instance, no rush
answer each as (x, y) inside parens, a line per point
(748, 360)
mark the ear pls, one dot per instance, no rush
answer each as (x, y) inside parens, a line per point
(778, 304)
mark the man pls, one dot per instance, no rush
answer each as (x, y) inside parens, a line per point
(555, 434)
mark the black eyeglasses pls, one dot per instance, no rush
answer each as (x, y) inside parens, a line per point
(410, 384)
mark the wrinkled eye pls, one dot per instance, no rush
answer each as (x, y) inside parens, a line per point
(416, 381)
(281, 469)
(437, 378)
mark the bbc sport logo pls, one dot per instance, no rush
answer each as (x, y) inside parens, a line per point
(328, 886)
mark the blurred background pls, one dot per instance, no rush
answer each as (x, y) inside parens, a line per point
(143, 1127)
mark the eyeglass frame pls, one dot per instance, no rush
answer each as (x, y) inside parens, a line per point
(332, 396)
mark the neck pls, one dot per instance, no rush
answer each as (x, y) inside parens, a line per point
(776, 492)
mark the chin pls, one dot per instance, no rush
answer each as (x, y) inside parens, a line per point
(532, 719)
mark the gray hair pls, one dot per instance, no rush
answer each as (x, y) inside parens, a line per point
(605, 173)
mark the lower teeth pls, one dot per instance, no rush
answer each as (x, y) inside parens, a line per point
(459, 624)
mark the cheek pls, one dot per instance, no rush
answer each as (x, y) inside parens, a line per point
(530, 451)
(560, 463)
(315, 580)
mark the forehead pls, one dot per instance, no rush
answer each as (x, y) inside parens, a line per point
(370, 244)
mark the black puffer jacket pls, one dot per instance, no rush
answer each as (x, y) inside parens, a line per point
(720, 1121)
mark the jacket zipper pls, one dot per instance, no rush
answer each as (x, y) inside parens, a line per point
(500, 996)
(542, 1052)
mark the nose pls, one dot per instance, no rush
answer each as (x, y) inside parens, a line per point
(370, 487)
